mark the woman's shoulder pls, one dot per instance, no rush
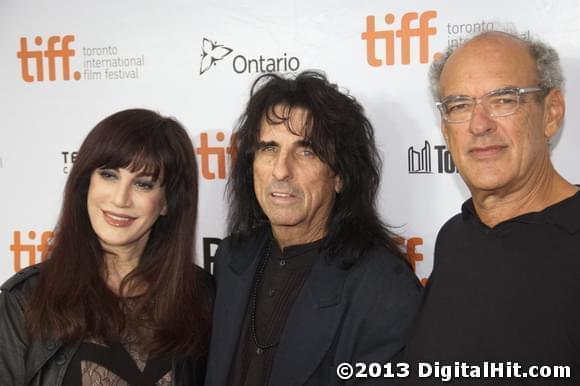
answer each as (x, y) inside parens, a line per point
(22, 279)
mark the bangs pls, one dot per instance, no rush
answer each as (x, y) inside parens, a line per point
(275, 99)
(140, 141)
(317, 135)
(145, 161)
(281, 113)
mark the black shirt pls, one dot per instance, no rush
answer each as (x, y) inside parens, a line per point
(283, 278)
(510, 293)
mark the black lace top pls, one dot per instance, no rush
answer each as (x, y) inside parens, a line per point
(117, 363)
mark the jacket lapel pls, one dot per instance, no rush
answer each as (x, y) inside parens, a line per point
(311, 325)
(234, 287)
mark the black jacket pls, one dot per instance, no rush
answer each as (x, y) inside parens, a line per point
(45, 363)
(357, 315)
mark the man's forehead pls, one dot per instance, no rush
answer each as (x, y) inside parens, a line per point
(283, 120)
(488, 62)
(494, 41)
(276, 132)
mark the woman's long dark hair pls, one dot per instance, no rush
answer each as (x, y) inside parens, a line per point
(341, 136)
(72, 301)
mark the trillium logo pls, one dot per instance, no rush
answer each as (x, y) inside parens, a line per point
(211, 52)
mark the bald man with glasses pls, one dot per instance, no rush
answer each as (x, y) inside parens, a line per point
(504, 294)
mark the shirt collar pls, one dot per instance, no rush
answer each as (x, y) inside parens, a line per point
(299, 249)
(565, 214)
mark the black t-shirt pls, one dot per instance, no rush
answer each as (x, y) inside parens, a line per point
(503, 295)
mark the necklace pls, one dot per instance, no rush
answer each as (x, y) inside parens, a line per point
(257, 283)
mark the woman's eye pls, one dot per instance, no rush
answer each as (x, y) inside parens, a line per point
(144, 185)
(107, 174)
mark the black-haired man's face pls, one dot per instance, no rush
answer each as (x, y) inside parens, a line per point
(294, 188)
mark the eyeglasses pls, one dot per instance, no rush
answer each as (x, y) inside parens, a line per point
(496, 103)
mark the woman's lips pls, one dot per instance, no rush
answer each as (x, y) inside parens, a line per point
(118, 220)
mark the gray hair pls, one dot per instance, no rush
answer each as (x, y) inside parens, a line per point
(547, 61)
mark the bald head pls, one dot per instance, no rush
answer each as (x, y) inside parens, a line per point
(488, 61)
(544, 59)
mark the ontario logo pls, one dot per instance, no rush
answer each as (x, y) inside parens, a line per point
(419, 159)
(213, 52)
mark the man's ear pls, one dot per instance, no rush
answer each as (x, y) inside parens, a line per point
(337, 184)
(554, 111)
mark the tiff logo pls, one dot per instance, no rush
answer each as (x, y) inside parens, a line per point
(33, 62)
(419, 161)
(410, 248)
(213, 158)
(30, 248)
(386, 50)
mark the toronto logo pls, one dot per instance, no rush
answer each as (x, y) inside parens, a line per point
(211, 52)
(419, 160)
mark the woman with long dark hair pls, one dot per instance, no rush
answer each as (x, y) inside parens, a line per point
(119, 300)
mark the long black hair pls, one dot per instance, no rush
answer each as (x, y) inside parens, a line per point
(340, 135)
(71, 300)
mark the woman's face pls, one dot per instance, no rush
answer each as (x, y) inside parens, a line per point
(123, 206)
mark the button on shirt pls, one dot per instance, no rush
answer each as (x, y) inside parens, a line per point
(283, 279)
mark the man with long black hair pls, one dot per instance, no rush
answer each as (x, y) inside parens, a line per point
(310, 276)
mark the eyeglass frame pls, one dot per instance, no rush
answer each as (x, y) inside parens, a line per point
(520, 91)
